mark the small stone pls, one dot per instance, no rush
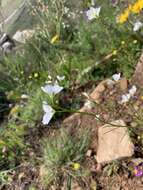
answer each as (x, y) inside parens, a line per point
(134, 124)
(113, 142)
(123, 84)
(136, 107)
(96, 94)
(89, 152)
(22, 36)
(138, 76)
(100, 88)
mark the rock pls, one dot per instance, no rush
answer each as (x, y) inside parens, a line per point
(138, 74)
(123, 84)
(89, 152)
(22, 36)
(6, 43)
(96, 94)
(113, 142)
(7, 47)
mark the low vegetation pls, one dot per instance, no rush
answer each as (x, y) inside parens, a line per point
(68, 51)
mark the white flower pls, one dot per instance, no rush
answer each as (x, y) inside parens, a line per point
(97, 117)
(49, 112)
(92, 2)
(60, 78)
(49, 77)
(66, 10)
(116, 77)
(93, 13)
(24, 96)
(88, 104)
(52, 89)
(125, 98)
(132, 90)
(137, 26)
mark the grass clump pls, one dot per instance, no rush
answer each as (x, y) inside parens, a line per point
(63, 155)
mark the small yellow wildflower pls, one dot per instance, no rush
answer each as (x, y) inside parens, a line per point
(30, 77)
(76, 166)
(122, 42)
(139, 137)
(142, 98)
(22, 72)
(135, 41)
(36, 75)
(55, 39)
(114, 52)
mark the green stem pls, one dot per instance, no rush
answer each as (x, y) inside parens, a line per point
(90, 114)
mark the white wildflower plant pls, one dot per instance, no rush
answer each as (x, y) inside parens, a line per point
(24, 96)
(132, 90)
(93, 13)
(48, 113)
(126, 97)
(116, 77)
(51, 90)
(137, 26)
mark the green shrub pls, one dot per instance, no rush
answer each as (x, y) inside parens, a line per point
(61, 152)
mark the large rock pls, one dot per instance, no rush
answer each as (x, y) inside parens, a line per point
(113, 142)
(138, 75)
(22, 36)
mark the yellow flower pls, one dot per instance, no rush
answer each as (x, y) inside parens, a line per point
(135, 41)
(114, 52)
(141, 97)
(30, 77)
(36, 75)
(122, 42)
(76, 166)
(137, 6)
(124, 16)
(55, 39)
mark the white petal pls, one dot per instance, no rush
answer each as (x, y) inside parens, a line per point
(125, 98)
(116, 77)
(137, 26)
(47, 108)
(60, 78)
(46, 118)
(132, 90)
(49, 112)
(88, 104)
(93, 13)
(24, 96)
(52, 89)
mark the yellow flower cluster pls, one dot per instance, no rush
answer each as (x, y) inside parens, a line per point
(135, 8)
